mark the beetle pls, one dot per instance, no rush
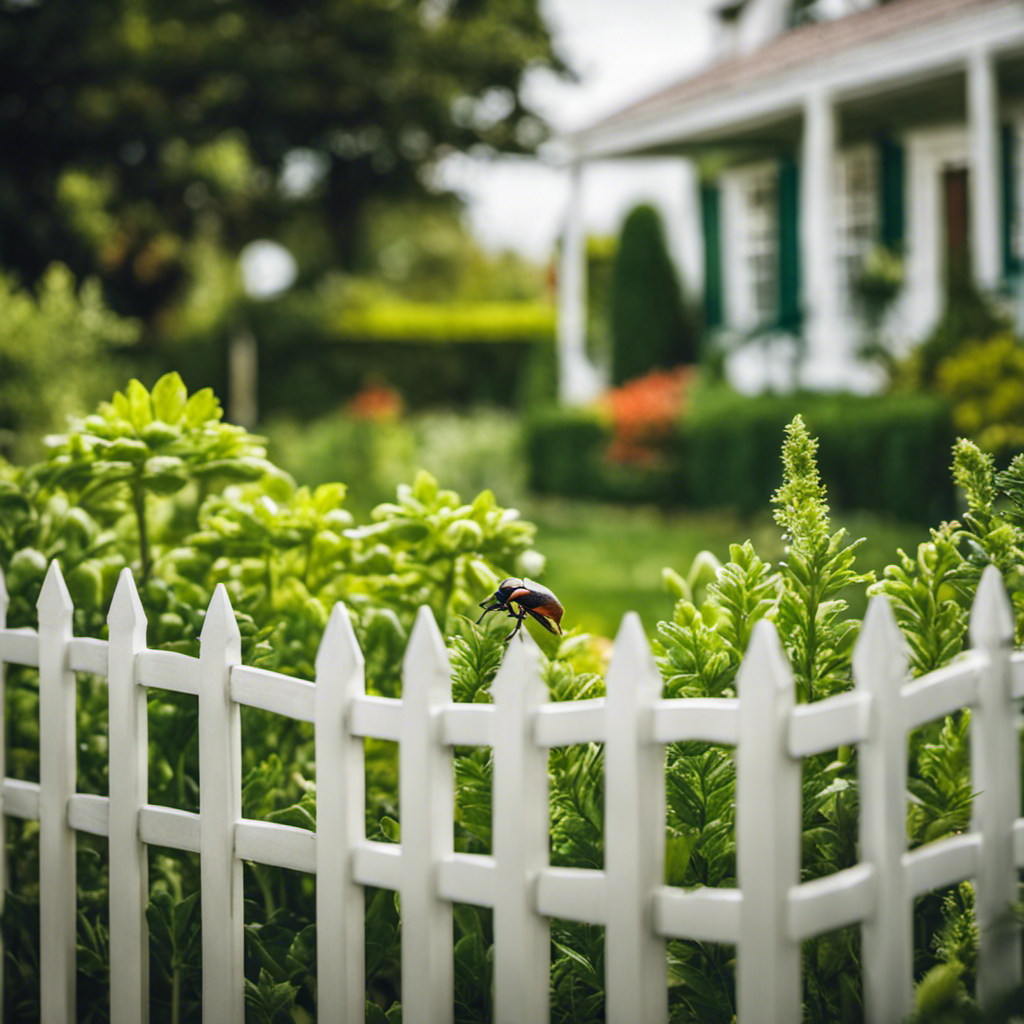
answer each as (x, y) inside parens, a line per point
(530, 599)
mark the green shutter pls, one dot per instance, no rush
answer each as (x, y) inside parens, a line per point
(711, 219)
(890, 195)
(789, 245)
(1011, 262)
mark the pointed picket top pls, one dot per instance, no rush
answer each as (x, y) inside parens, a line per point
(339, 653)
(220, 619)
(764, 652)
(426, 659)
(519, 668)
(992, 621)
(126, 613)
(880, 654)
(54, 604)
(632, 670)
(4, 598)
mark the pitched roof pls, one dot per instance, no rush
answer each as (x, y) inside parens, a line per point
(798, 46)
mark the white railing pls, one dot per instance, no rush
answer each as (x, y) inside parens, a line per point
(767, 917)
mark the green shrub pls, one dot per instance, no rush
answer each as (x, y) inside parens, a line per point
(650, 325)
(55, 350)
(885, 454)
(566, 455)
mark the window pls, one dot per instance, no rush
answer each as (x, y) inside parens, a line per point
(857, 212)
(760, 246)
(804, 12)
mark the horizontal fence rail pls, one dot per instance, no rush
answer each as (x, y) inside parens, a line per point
(766, 917)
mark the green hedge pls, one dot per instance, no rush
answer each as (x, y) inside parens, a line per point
(565, 451)
(307, 370)
(888, 454)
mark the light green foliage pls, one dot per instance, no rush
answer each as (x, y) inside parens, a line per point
(940, 786)
(818, 566)
(54, 354)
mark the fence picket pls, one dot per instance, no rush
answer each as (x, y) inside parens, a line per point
(520, 827)
(128, 786)
(340, 826)
(995, 770)
(887, 949)
(426, 806)
(768, 982)
(220, 806)
(636, 964)
(57, 764)
(4, 603)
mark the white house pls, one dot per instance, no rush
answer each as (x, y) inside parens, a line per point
(821, 129)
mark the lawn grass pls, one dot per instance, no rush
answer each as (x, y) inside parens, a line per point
(604, 560)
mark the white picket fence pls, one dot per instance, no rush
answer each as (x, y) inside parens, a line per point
(766, 917)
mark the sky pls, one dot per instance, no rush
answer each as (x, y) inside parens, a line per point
(621, 50)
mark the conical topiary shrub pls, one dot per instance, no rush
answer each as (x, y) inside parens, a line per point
(649, 322)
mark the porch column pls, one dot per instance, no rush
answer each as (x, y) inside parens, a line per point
(986, 193)
(578, 381)
(827, 355)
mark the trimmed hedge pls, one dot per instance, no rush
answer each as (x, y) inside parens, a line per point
(889, 454)
(307, 370)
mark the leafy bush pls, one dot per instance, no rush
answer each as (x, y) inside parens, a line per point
(55, 348)
(649, 321)
(984, 383)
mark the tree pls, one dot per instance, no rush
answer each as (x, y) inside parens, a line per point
(649, 322)
(131, 125)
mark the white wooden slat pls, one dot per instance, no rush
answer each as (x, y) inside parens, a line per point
(340, 826)
(995, 779)
(941, 863)
(636, 962)
(467, 878)
(768, 831)
(1016, 674)
(838, 900)
(377, 864)
(1018, 842)
(705, 915)
(90, 813)
(272, 691)
(426, 807)
(170, 827)
(4, 808)
(19, 647)
(566, 723)
(522, 937)
(21, 799)
(467, 725)
(57, 763)
(379, 717)
(941, 692)
(575, 894)
(88, 654)
(220, 806)
(887, 949)
(827, 724)
(168, 670)
(129, 790)
(276, 845)
(707, 719)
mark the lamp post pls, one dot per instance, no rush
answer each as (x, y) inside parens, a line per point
(267, 270)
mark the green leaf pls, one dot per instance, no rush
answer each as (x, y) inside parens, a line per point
(202, 407)
(140, 409)
(169, 397)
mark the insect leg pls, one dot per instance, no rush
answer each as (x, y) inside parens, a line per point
(489, 608)
(519, 624)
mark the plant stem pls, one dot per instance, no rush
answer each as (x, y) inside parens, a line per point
(139, 500)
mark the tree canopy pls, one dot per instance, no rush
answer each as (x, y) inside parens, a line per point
(134, 126)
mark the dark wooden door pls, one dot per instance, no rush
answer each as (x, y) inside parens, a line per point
(957, 206)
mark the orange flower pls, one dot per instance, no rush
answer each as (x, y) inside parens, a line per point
(375, 402)
(644, 412)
